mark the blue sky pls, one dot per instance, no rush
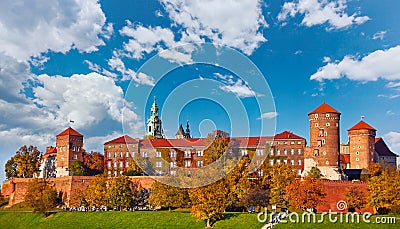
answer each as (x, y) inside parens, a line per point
(76, 60)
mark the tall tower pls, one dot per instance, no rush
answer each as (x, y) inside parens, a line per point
(362, 145)
(325, 140)
(187, 130)
(154, 124)
(69, 145)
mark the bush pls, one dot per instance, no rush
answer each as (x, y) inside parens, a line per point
(395, 210)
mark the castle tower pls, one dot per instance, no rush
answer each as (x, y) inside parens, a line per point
(69, 145)
(324, 141)
(187, 134)
(154, 124)
(362, 145)
(180, 133)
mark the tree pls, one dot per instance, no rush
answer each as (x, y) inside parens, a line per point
(374, 169)
(355, 198)
(78, 198)
(96, 191)
(315, 173)
(77, 168)
(166, 196)
(121, 192)
(93, 163)
(256, 197)
(384, 189)
(208, 202)
(305, 194)
(25, 163)
(217, 147)
(281, 175)
(41, 196)
(133, 169)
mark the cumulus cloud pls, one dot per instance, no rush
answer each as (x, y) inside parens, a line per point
(393, 140)
(380, 64)
(140, 78)
(318, 12)
(29, 28)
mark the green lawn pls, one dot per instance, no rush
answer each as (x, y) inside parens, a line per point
(148, 219)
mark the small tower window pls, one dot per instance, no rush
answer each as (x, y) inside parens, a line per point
(357, 153)
(316, 124)
(316, 115)
(328, 124)
(327, 115)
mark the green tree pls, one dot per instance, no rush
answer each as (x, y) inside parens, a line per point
(77, 168)
(25, 163)
(208, 202)
(355, 198)
(121, 192)
(315, 173)
(281, 175)
(96, 191)
(166, 196)
(41, 196)
(305, 194)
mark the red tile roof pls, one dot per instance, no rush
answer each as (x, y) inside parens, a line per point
(123, 139)
(362, 126)
(70, 131)
(324, 108)
(50, 150)
(287, 135)
(184, 142)
(345, 158)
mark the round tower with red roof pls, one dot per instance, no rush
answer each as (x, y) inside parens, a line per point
(362, 145)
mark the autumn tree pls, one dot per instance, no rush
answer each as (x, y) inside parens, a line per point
(77, 168)
(217, 146)
(121, 192)
(25, 163)
(93, 163)
(314, 173)
(133, 169)
(41, 196)
(355, 198)
(166, 196)
(374, 169)
(96, 191)
(78, 198)
(256, 197)
(281, 175)
(305, 194)
(208, 202)
(384, 189)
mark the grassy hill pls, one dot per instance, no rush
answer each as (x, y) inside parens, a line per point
(148, 219)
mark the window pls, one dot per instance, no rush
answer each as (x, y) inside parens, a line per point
(187, 153)
(109, 146)
(108, 154)
(298, 143)
(321, 132)
(292, 151)
(172, 154)
(315, 115)
(285, 152)
(115, 164)
(278, 152)
(299, 151)
(357, 159)
(158, 164)
(271, 162)
(199, 163)
(187, 164)
(109, 164)
(127, 154)
(285, 161)
(323, 141)
(357, 167)
(121, 164)
(244, 152)
(260, 152)
(328, 124)
(200, 153)
(316, 124)
(271, 151)
(327, 162)
(357, 153)
(115, 173)
(260, 173)
(127, 164)
(133, 154)
(324, 153)
(299, 172)
(284, 143)
(121, 154)
(75, 156)
(298, 162)
(327, 115)
(109, 173)
(172, 164)
(278, 161)
(291, 162)
(291, 143)
(62, 157)
(144, 154)
(158, 154)
(115, 154)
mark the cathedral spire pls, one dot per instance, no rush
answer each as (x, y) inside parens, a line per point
(187, 134)
(154, 123)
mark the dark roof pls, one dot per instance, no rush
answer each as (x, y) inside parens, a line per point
(70, 131)
(382, 149)
(123, 139)
(362, 126)
(324, 108)
(180, 131)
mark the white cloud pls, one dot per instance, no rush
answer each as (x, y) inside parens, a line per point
(140, 78)
(86, 99)
(382, 64)
(393, 140)
(393, 85)
(29, 28)
(269, 115)
(318, 12)
(389, 112)
(326, 59)
(379, 35)
(240, 89)
(298, 52)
